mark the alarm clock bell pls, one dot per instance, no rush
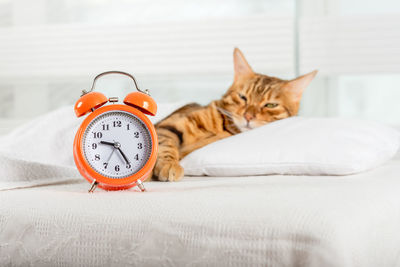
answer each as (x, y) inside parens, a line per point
(142, 101)
(89, 102)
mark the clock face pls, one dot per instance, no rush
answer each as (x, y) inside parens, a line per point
(117, 144)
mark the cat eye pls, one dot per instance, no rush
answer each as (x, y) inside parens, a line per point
(271, 105)
(243, 97)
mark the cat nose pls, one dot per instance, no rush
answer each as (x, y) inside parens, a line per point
(248, 116)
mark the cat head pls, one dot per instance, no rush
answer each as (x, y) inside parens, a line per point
(255, 99)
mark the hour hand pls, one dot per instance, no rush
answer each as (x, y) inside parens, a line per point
(107, 143)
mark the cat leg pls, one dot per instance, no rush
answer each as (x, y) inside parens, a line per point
(167, 166)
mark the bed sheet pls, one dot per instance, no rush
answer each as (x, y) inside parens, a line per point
(208, 221)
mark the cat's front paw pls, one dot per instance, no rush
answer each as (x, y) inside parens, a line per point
(168, 171)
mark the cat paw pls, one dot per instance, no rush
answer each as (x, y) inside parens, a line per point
(169, 171)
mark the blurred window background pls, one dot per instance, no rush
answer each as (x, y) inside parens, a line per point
(182, 51)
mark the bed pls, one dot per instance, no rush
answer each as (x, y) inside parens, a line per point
(47, 217)
(208, 221)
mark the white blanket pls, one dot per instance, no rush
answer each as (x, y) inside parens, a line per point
(231, 221)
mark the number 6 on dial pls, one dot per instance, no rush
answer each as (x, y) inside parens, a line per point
(115, 148)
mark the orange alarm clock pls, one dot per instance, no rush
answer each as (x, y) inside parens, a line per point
(116, 146)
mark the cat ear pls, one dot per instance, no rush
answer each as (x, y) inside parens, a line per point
(242, 68)
(297, 86)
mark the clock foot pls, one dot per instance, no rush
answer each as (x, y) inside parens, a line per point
(93, 186)
(140, 185)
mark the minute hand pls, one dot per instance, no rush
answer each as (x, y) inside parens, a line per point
(124, 156)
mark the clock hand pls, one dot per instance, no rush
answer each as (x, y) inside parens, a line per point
(112, 152)
(107, 143)
(123, 155)
(108, 160)
(117, 146)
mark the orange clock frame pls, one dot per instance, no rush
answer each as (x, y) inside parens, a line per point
(111, 183)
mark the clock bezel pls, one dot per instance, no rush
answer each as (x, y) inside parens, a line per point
(111, 183)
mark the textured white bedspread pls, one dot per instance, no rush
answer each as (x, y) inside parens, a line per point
(205, 221)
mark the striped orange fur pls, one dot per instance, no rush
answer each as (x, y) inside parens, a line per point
(252, 100)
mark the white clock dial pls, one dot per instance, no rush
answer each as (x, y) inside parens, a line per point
(117, 144)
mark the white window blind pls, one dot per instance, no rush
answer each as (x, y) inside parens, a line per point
(350, 44)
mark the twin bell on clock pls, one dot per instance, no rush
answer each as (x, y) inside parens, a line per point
(115, 147)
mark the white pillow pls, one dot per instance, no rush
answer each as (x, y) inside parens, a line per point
(299, 146)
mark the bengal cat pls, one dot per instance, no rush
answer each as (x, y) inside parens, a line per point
(252, 100)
